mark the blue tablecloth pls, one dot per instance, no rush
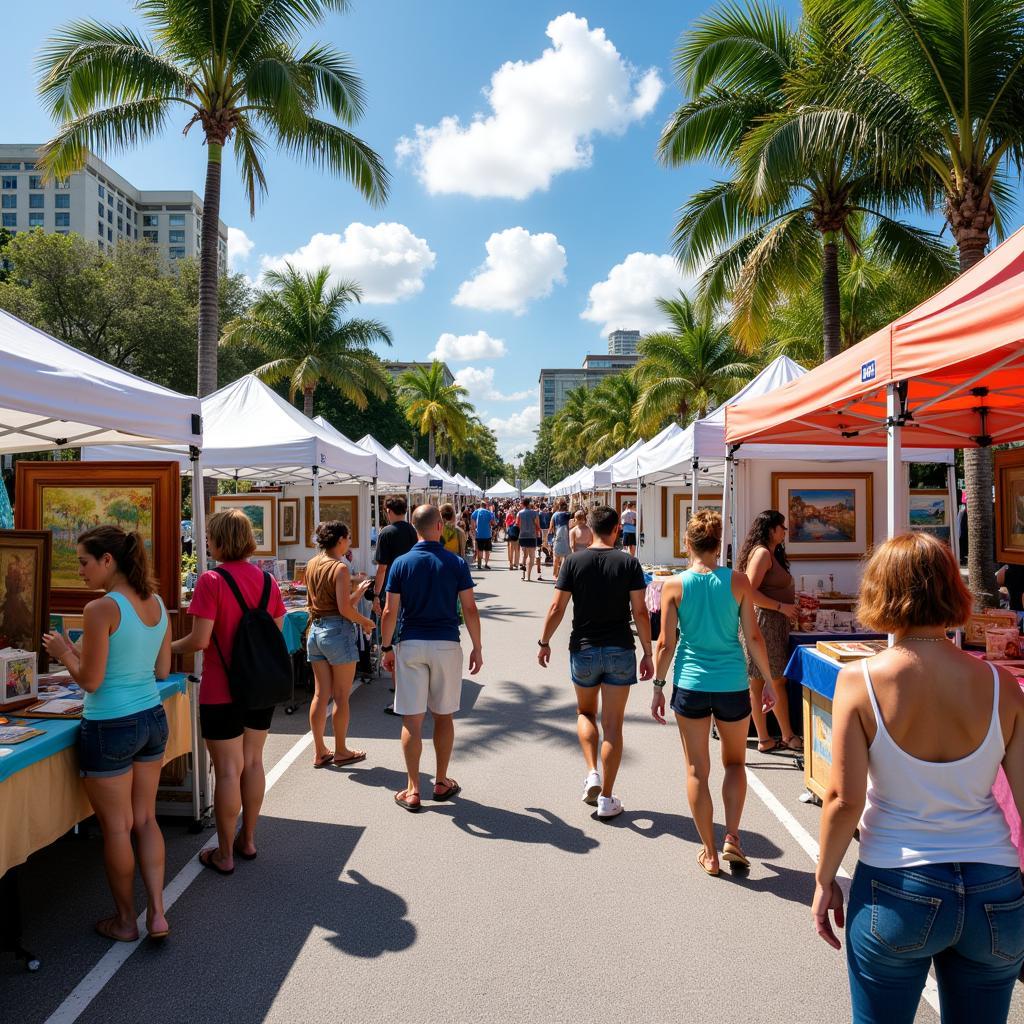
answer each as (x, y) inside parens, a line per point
(797, 639)
(61, 733)
(294, 623)
(811, 669)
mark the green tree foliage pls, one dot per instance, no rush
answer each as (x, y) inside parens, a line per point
(437, 410)
(611, 424)
(381, 417)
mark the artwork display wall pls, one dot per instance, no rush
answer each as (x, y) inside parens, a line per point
(1009, 479)
(343, 508)
(828, 515)
(261, 511)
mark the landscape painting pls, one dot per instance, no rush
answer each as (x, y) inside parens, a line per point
(1009, 474)
(828, 515)
(344, 509)
(25, 590)
(261, 511)
(68, 498)
(928, 512)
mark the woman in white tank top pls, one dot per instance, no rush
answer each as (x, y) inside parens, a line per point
(919, 733)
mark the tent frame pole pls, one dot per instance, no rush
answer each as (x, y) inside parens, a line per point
(954, 508)
(896, 496)
(316, 499)
(695, 486)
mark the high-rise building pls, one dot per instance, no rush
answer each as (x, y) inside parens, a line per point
(555, 385)
(101, 206)
(623, 343)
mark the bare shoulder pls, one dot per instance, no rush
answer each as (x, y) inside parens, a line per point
(740, 582)
(1011, 695)
(759, 555)
(672, 588)
(100, 609)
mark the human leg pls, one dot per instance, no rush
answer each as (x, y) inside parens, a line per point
(149, 840)
(228, 758)
(323, 686)
(412, 750)
(342, 677)
(587, 698)
(695, 736)
(765, 741)
(733, 736)
(111, 799)
(444, 741)
(253, 786)
(613, 711)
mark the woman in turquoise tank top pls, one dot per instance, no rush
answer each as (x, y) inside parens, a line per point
(125, 648)
(710, 604)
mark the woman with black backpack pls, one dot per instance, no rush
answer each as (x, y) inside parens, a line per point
(245, 673)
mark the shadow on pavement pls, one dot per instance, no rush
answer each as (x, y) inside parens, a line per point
(655, 824)
(786, 883)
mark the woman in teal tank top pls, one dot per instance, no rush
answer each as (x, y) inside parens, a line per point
(125, 648)
(710, 604)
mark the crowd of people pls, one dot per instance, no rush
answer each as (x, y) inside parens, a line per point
(919, 731)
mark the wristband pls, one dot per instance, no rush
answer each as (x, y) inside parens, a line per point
(541, 643)
(659, 683)
(386, 648)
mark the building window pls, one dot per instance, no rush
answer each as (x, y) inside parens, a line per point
(110, 199)
(120, 206)
(9, 181)
(62, 184)
(35, 181)
(35, 202)
(103, 191)
(177, 236)
(177, 252)
(110, 216)
(9, 202)
(30, 165)
(110, 235)
(99, 228)
(61, 232)
(35, 220)
(10, 167)
(62, 220)
(151, 236)
(10, 220)
(120, 224)
(176, 220)
(62, 202)
(150, 220)
(99, 207)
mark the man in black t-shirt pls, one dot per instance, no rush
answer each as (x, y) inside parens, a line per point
(606, 587)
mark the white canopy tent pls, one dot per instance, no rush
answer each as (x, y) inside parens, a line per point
(502, 489)
(451, 485)
(415, 477)
(468, 486)
(538, 489)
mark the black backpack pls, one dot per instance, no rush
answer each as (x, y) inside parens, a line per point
(260, 672)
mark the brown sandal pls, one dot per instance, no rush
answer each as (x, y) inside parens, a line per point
(106, 929)
(712, 872)
(733, 853)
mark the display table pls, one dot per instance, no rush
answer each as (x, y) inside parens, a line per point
(41, 794)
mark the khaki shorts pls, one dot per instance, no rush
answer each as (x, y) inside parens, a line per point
(428, 674)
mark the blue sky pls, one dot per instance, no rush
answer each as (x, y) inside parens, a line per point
(507, 245)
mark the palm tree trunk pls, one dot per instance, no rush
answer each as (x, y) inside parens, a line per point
(209, 275)
(430, 447)
(830, 297)
(307, 401)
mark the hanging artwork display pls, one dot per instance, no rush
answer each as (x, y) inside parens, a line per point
(261, 511)
(828, 515)
(1009, 479)
(343, 508)
(25, 591)
(928, 511)
(681, 515)
(288, 521)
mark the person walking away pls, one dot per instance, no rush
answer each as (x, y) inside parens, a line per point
(580, 536)
(235, 735)
(544, 516)
(560, 526)
(512, 538)
(919, 733)
(710, 604)
(606, 586)
(763, 559)
(420, 640)
(331, 644)
(528, 522)
(453, 537)
(395, 540)
(466, 525)
(125, 648)
(629, 528)
(483, 523)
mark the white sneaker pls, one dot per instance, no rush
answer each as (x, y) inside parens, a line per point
(608, 806)
(592, 788)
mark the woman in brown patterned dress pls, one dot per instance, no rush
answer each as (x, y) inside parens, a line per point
(763, 559)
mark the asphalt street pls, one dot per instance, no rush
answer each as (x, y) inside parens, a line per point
(512, 903)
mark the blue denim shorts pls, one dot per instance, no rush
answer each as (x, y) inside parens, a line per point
(108, 746)
(332, 639)
(611, 666)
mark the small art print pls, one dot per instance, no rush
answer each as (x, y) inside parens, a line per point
(343, 508)
(928, 512)
(288, 521)
(261, 511)
(828, 515)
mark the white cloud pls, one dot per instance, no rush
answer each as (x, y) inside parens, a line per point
(519, 267)
(461, 348)
(625, 299)
(388, 261)
(544, 115)
(480, 385)
(240, 245)
(515, 433)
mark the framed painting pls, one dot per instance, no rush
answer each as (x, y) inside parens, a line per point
(828, 515)
(68, 498)
(681, 515)
(1009, 475)
(25, 591)
(928, 512)
(288, 521)
(261, 511)
(344, 508)
(621, 497)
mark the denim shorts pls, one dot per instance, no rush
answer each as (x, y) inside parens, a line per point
(108, 746)
(332, 639)
(729, 706)
(610, 666)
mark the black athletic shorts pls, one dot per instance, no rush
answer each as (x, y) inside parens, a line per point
(732, 706)
(229, 721)
(528, 542)
(483, 543)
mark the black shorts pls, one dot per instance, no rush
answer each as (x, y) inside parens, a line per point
(528, 542)
(732, 706)
(229, 721)
(483, 543)
(512, 534)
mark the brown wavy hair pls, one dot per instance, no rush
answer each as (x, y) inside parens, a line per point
(128, 551)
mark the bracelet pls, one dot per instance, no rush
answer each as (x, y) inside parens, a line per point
(385, 648)
(542, 643)
(659, 683)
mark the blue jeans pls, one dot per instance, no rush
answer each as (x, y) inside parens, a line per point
(968, 918)
(611, 666)
(109, 746)
(332, 639)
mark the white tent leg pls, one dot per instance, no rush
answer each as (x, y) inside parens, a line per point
(954, 507)
(639, 515)
(316, 499)
(896, 496)
(364, 526)
(726, 508)
(202, 798)
(695, 487)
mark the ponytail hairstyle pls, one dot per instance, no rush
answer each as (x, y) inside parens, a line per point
(704, 531)
(128, 551)
(759, 536)
(330, 534)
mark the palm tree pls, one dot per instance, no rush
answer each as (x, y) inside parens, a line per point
(299, 323)
(943, 80)
(569, 424)
(432, 406)
(610, 424)
(234, 67)
(756, 85)
(686, 370)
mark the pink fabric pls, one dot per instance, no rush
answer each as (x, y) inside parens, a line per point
(214, 600)
(1001, 791)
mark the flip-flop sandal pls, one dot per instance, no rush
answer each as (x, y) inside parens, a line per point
(708, 871)
(447, 793)
(157, 936)
(208, 862)
(732, 853)
(411, 803)
(788, 744)
(776, 746)
(105, 928)
(324, 760)
(354, 759)
(239, 852)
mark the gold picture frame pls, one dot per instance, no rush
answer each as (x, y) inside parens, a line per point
(681, 515)
(828, 515)
(342, 507)
(261, 511)
(1009, 479)
(289, 529)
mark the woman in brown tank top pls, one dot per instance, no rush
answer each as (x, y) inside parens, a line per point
(331, 642)
(763, 559)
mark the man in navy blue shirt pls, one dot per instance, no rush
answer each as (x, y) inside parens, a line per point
(425, 588)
